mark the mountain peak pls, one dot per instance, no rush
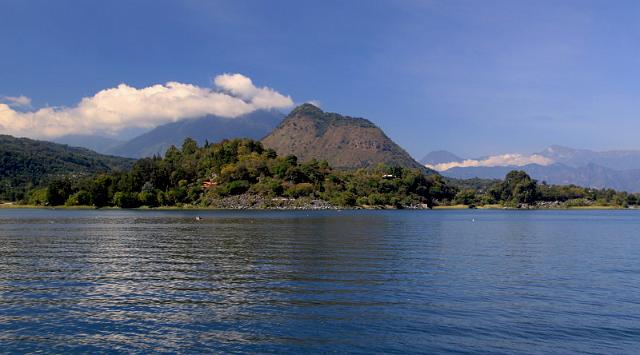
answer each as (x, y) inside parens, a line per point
(344, 141)
(306, 109)
(439, 157)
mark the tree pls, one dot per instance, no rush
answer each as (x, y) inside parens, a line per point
(466, 197)
(58, 191)
(80, 198)
(125, 200)
(189, 146)
(100, 191)
(517, 187)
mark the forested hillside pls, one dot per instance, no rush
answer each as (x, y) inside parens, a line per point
(241, 173)
(27, 163)
(203, 176)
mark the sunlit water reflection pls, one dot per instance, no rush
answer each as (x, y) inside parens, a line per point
(350, 281)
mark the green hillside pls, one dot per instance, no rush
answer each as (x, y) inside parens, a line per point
(245, 174)
(27, 163)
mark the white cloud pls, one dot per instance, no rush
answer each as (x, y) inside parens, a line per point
(16, 101)
(495, 160)
(112, 110)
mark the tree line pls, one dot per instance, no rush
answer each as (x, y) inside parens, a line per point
(193, 175)
(518, 189)
(196, 176)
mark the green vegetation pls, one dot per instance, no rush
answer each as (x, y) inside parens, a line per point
(518, 190)
(26, 164)
(242, 170)
(200, 176)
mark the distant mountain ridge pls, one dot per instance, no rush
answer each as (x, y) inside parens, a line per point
(99, 144)
(343, 141)
(25, 162)
(613, 159)
(618, 170)
(590, 175)
(439, 157)
(254, 125)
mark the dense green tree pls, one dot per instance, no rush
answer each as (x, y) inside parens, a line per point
(58, 192)
(126, 200)
(80, 198)
(466, 197)
(517, 187)
(101, 191)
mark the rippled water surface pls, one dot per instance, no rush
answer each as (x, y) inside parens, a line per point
(350, 281)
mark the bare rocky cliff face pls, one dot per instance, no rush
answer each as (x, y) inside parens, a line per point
(345, 142)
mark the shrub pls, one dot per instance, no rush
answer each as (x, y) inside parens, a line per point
(345, 198)
(300, 190)
(80, 198)
(268, 187)
(125, 200)
(237, 187)
(377, 199)
(147, 199)
(37, 197)
(466, 197)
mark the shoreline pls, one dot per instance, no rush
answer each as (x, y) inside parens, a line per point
(306, 208)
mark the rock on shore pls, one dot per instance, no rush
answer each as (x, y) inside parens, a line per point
(248, 201)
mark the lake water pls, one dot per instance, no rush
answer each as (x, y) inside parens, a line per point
(350, 281)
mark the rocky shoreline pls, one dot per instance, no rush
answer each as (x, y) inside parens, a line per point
(257, 202)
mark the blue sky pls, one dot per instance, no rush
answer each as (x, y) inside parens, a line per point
(473, 77)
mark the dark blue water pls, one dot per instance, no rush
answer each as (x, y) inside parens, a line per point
(351, 281)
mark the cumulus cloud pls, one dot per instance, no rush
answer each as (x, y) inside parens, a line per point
(114, 109)
(16, 101)
(495, 160)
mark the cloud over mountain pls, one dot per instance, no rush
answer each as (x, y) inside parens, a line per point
(495, 160)
(114, 109)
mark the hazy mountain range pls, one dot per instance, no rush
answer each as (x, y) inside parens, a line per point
(618, 169)
(255, 125)
(99, 144)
